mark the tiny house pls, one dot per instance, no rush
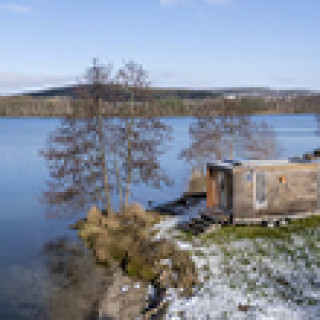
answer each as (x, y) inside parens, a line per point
(254, 189)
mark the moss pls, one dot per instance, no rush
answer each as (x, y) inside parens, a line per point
(186, 235)
(104, 264)
(117, 253)
(138, 269)
(311, 222)
(254, 232)
(133, 268)
(91, 240)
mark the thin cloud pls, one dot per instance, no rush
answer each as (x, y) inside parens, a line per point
(169, 3)
(11, 82)
(283, 80)
(15, 8)
(218, 2)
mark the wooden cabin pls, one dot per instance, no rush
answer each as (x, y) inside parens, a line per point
(253, 190)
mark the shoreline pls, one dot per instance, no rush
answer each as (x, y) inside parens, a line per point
(262, 113)
(49, 107)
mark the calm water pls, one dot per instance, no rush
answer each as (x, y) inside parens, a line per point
(23, 227)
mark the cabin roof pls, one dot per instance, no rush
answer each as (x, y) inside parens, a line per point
(232, 164)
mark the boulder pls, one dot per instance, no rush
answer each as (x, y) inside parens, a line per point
(124, 299)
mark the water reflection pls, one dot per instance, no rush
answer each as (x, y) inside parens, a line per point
(317, 118)
(229, 137)
(63, 283)
(76, 284)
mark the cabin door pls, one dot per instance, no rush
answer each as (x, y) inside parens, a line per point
(223, 189)
(261, 201)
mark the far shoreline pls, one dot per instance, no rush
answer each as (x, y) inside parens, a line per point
(63, 106)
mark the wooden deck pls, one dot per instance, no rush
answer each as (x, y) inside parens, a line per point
(216, 217)
(274, 220)
(208, 220)
(177, 206)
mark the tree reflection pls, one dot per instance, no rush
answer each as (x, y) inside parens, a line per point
(63, 283)
(317, 118)
(76, 284)
(228, 137)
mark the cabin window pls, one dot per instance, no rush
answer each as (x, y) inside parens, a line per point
(223, 189)
(221, 179)
(261, 190)
(261, 187)
(281, 179)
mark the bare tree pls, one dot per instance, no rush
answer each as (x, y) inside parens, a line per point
(142, 138)
(92, 157)
(76, 151)
(98, 78)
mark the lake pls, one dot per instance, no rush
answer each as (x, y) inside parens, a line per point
(24, 228)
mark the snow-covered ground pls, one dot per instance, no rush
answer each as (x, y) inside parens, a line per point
(250, 279)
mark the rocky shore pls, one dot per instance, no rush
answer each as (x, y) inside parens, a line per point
(147, 267)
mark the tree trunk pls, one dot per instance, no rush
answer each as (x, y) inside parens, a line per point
(119, 185)
(103, 164)
(129, 163)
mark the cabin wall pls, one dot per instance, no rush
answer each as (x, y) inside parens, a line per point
(212, 186)
(298, 192)
(218, 196)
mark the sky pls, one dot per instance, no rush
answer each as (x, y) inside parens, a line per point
(181, 43)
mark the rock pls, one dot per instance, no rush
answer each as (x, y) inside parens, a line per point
(243, 307)
(94, 216)
(123, 301)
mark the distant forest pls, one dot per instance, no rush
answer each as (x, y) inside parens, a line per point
(157, 93)
(168, 93)
(66, 101)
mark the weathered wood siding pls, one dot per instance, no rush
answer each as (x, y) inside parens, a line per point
(242, 195)
(298, 193)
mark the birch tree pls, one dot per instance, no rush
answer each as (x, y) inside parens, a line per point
(143, 138)
(93, 158)
(76, 151)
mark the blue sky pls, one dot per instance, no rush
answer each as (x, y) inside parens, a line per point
(182, 43)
